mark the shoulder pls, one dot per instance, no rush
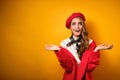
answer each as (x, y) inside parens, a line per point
(90, 41)
(64, 42)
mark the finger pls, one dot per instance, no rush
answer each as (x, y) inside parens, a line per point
(104, 44)
(50, 45)
(110, 46)
(47, 46)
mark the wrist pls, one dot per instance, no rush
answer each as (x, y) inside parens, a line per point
(58, 48)
(96, 49)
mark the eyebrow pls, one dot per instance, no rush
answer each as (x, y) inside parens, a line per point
(78, 22)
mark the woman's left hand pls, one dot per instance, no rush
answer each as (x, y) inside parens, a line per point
(103, 46)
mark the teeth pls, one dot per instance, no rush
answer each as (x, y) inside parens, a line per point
(77, 30)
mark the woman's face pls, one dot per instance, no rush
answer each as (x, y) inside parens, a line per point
(76, 26)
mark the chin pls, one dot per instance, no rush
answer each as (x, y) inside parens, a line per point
(77, 35)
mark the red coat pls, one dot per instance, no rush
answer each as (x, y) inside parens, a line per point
(75, 71)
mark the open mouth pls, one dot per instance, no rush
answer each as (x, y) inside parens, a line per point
(77, 30)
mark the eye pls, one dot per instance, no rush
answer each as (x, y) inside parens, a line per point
(80, 23)
(73, 23)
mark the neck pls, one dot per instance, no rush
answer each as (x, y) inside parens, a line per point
(75, 37)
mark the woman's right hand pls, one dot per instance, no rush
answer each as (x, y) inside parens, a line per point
(52, 47)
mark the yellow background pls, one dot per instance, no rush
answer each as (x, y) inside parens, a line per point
(27, 25)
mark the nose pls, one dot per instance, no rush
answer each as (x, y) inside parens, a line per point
(77, 25)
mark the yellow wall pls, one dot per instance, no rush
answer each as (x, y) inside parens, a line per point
(27, 25)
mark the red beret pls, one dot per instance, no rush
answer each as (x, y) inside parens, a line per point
(68, 21)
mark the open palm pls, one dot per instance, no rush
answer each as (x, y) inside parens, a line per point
(104, 46)
(52, 47)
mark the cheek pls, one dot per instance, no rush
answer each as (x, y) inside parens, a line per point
(80, 26)
(72, 29)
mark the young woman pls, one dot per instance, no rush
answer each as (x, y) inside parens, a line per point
(78, 55)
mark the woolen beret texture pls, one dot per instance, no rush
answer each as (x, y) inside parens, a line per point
(74, 15)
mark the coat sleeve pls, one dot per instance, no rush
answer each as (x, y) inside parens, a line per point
(64, 58)
(93, 59)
